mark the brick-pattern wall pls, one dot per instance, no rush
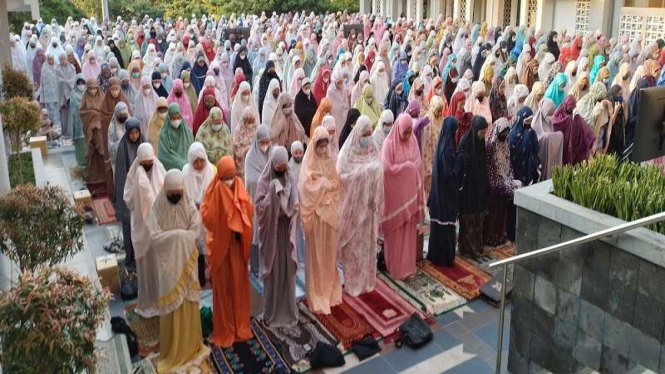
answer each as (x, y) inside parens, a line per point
(592, 307)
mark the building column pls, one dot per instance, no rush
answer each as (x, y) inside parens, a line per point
(524, 12)
(514, 13)
(469, 10)
(545, 15)
(456, 9)
(493, 12)
(364, 6)
(436, 8)
(400, 8)
(600, 16)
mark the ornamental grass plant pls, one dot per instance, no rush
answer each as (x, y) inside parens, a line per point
(625, 190)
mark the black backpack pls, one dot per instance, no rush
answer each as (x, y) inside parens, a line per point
(415, 332)
(120, 326)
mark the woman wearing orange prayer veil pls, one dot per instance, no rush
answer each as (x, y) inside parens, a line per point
(319, 208)
(227, 215)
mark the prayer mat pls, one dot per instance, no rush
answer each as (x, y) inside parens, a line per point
(345, 324)
(103, 210)
(296, 342)
(254, 356)
(463, 278)
(383, 308)
(146, 330)
(425, 293)
(492, 289)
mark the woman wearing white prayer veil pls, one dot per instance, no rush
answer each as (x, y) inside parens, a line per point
(174, 226)
(198, 173)
(296, 81)
(149, 60)
(270, 102)
(145, 179)
(545, 66)
(383, 128)
(243, 100)
(361, 189)
(338, 94)
(379, 81)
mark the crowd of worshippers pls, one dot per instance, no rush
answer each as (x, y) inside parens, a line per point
(302, 146)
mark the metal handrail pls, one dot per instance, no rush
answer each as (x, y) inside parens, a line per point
(557, 248)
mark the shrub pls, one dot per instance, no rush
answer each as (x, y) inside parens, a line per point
(15, 83)
(624, 190)
(20, 118)
(48, 323)
(39, 226)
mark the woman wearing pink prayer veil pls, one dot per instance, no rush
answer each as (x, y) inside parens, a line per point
(403, 198)
(550, 142)
(361, 178)
(318, 188)
(91, 67)
(178, 95)
(578, 138)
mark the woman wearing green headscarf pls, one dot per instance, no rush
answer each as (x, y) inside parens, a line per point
(215, 136)
(556, 91)
(367, 105)
(598, 62)
(175, 138)
(185, 75)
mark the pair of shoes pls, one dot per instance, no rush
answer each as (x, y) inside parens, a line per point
(114, 246)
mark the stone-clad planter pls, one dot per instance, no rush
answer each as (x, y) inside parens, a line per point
(598, 306)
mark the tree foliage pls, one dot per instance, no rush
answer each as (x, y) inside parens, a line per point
(49, 9)
(15, 83)
(48, 323)
(39, 226)
(20, 118)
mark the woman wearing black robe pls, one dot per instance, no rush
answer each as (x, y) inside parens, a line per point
(116, 53)
(244, 64)
(351, 119)
(161, 91)
(617, 142)
(634, 107)
(480, 60)
(124, 159)
(475, 190)
(305, 105)
(552, 45)
(199, 72)
(396, 102)
(453, 75)
(443, 202)
(268, 75)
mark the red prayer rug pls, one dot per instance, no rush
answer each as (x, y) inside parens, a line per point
(104, 210)
(463, 278)
(344, 323)
(383, 308)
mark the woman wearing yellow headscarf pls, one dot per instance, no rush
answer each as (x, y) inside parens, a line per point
(367, 105)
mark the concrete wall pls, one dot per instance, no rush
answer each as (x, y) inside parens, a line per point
(563, 15)
(595, 307)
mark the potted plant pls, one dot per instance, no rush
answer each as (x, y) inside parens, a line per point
(39, 226)
(20, 118)
(48, 323)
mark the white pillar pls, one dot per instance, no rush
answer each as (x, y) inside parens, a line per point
(524, 16)
(493, 12)
(364, 6)
(469, 10)
(456, 9)
(436, 8)
(105, 10)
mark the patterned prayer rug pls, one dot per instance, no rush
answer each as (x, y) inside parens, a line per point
(345, 324)
(295, 343)
(425, 293)
(254, 356)
(103, 210)
(383, 308)
(463, 278)
(144, 366)
(146, 330)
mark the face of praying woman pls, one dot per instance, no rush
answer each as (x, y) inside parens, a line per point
(199, 164)
(502, 88)
(406, 135)
(481, 133)
(50, 60)
(339, 84)
(281, 169)
(209, 101)
(174, 196)
(228, 180)
(275, 93)
(63, 60)
(298, 153)
(147, 165)
(322, 148)
(115, 91)
(134, 135)
(245, 96)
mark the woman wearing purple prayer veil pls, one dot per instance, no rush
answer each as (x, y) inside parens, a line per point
(276, 205)
(577, 137)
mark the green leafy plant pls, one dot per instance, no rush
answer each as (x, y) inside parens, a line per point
(48, 323)
(20, 118)
(39, 226)
(17, 164)
(624, 190)
(15, 83)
